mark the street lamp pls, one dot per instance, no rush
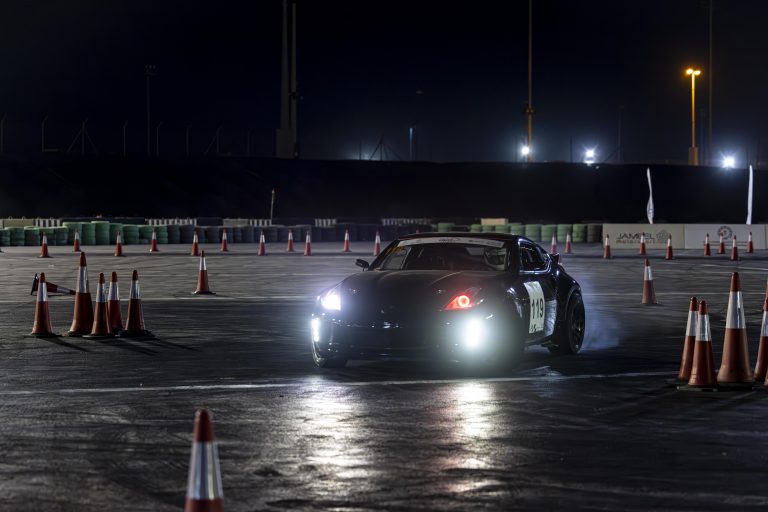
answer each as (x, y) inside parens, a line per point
(693, 151)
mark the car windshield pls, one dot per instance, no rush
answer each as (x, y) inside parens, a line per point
(489, 255)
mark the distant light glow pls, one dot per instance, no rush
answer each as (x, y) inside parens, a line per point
(691, 71)
(729, 162)
(590, 155)
(525, 150)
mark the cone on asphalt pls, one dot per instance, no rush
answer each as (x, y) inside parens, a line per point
(750, 245)
(707, 251)
(82, 321)
(649, 295)
(761, 368)
(153, 247)
(195, 245)
(668, 255)
(308, 245)
(346, 241)
(202, 278)
(134, 325)
(703, 366)
(735, 369)
(113, 306)
(204, 489)
(686, 361)
(377, 244)
(76, 246)
(553, 245)
(224, 241)
(734, 250)
(44, 247)
(642, 244)
(262, 245)
(101, 327)
(721, 247)
(50, 287)
(42, 325)
(607, 248)
(568, 243)
(289, 248)
(119, 246)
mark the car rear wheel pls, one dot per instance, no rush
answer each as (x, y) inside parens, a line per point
(571, 335)
(326, 362)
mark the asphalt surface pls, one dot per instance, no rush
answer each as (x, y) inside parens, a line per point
(106, 425)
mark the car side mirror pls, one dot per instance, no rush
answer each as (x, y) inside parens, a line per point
(555, 259)
(363, 264)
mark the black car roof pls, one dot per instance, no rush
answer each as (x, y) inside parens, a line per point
(463, 234)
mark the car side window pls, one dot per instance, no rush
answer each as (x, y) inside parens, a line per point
(531, 260)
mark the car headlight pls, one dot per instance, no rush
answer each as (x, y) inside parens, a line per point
(314, 325)
(331, 300)
(474, 333)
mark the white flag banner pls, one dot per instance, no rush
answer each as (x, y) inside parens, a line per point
(649, 208)
(749, 196)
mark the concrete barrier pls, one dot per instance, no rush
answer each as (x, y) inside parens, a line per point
(627, 236)
(695, 233)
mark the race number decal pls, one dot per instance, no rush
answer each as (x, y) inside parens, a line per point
(538, 309)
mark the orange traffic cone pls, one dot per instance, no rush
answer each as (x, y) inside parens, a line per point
(607, 249)
(707, 251)
(101, 328)
(195, 245)
(134, 325)
(113, 306)
(721, 247)
(750, 245)
(153, 247)
(668, 255)
(553, 245)
(204, 492)
(761, 368)
(686, 361)
(735, 369)
(290, 241)
(76, 246)
(202, 278)
(50, 287)
(346, 241)
(308, 245)
(642, 244)
(119, 246)
(224, 241)
(262, 245)
(568, 243)
(42, 327)
(649, 295)
(82, 320)
(44, 247)
(703, 366)
(377, 245)
(734, 250)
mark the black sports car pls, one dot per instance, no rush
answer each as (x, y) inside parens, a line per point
(470, 297)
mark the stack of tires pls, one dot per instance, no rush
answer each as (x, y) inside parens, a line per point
(547, 230)
(594, 233)
(487, 228)
(186, 232)
(517, 228)
(73, 227)
(61, 235)
(248, 234)
(476, 228)
(579, 233)
(5, 237)
(101, 231)
(49, 233)
(31, 236)
(17, 237)
(174, 233)
(114, 229)
(131, 234)
(88, 233)
(213, 234)
(501, 228)
(162, 234)
(533, 232)
(563, 230)
(145, 233)
(444, 227)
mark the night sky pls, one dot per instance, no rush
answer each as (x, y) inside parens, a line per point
(361, 63)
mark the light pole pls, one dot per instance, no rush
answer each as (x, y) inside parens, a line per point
(693, 151)
(529, 107)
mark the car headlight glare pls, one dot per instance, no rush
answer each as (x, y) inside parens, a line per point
(331, 300)
(314, 325)
(474, 333)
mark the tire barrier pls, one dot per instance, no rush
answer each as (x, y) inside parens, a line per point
(563, 230)
(594, 233)
(547, 230)
(5, 237)
(87, 233)
(101, 232)
(131, 234)
(517, 228)
(31, 236)
(476, 228)
(533, 232)
(579, 233)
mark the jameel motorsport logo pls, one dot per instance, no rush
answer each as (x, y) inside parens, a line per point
(661, 236)
(725, 231)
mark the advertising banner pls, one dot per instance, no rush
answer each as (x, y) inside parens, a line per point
(695, 233)
(627, 236)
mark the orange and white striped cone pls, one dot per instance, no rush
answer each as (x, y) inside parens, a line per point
(735, 370)
(44, 247)
(119, 246)
(42, 328)
(224, 241)
(204, 489)
(113, 306)
(734, 250)
(707, 250)
(346, 241)
(686, 361)
(750, 245)
(721, 247)
(553, 245)
(76, 246)
(290, 241)
(101, 327)
(642, 244)
(568, 243)
(50, 287)
(308, 245)
(649, 295)
(195, 246)
(703, 376)
(134, 325)
(607, 248)
(377, 245)
(761, 368)
(82, 321)
(668, 255)
(202, 278)
(153, 247)
(262, 245)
